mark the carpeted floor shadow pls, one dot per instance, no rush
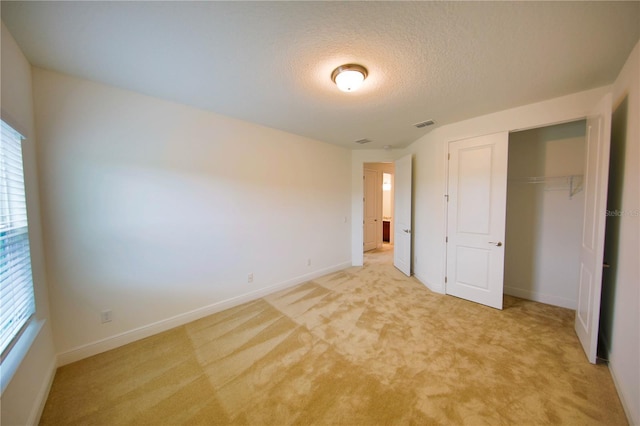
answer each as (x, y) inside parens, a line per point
(363, 346)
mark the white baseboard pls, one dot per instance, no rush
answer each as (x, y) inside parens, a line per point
(112, 342)
(540, 297)
(625, 402)
(43, 394)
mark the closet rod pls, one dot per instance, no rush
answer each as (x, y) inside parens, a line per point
(571, 182)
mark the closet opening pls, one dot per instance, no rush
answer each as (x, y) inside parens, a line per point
(545, 213)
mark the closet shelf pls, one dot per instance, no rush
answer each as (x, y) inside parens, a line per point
(572, 183)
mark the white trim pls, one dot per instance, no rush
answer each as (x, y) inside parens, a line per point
(19, 351)
(625, 404)
(621, 396)
(43, 394)
(445, 232)
(541, 297)
(103, 345)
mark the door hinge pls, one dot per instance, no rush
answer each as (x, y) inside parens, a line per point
(446, 239)
(447, 197)
(445, 280)
(449, 156)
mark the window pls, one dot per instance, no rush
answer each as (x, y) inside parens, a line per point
(16, 284)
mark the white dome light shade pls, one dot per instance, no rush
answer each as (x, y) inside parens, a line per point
(349, 81)
(350, 77)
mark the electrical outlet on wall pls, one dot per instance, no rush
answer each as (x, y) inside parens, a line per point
(309, 262)
(250, 278)
(106, 316)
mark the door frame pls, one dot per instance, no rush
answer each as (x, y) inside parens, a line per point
(369, 167)
(358, 159)
(380, 167)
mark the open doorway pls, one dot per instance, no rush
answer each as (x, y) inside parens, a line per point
(544, 213)
(378, 210)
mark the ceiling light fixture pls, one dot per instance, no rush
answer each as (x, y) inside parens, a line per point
(349, 77)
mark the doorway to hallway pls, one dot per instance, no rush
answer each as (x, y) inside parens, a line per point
(378, 206)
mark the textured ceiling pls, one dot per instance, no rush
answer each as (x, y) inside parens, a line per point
(270, 62)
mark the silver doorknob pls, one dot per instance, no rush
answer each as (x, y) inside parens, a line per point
(497, 244)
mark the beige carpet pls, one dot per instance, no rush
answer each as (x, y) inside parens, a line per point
(363, 346)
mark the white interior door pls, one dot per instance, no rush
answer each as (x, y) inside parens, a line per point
(476, 214)
(402, 215)
(370, 232)
(596, 175)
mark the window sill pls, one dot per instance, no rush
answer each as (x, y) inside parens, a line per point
(18, 352)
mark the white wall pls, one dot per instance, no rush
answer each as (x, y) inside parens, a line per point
(544, 222)
(621, 318)
(32, 366)
(429, 209)
(159, 211)
(430, 177)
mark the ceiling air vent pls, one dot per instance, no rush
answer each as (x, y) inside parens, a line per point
(422, 124)
(363, 141)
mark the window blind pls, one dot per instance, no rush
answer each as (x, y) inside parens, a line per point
(16, 284)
